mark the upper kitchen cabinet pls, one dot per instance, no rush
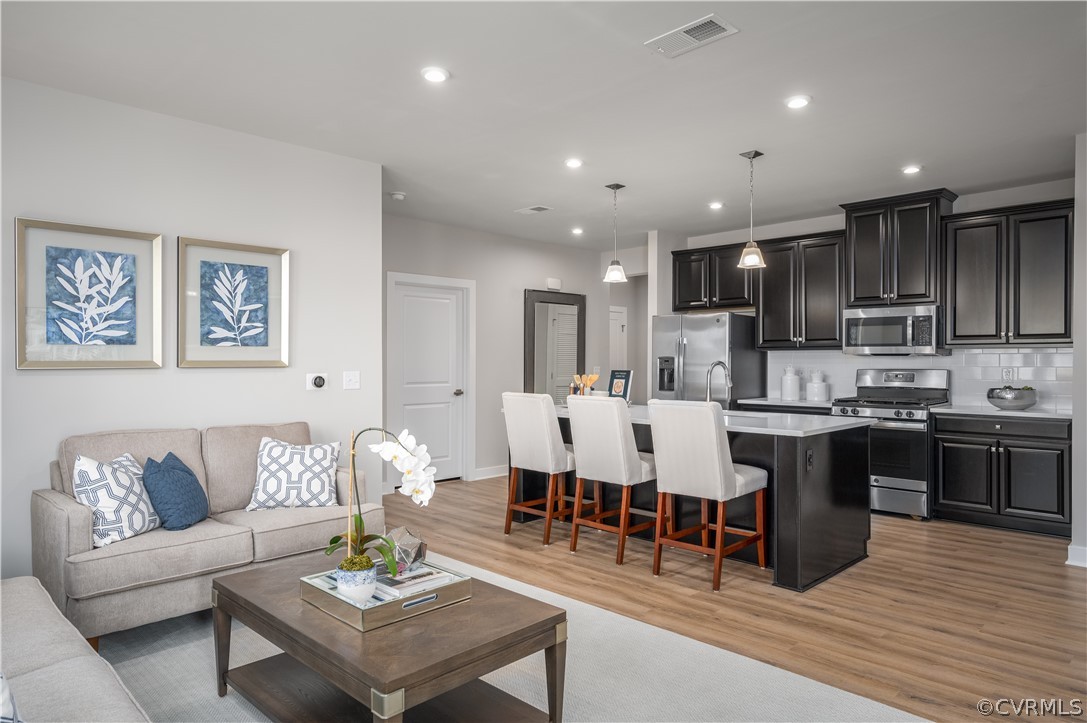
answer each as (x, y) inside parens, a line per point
(892, 248)
(710, 279)
(799, 298)
(1009, 276)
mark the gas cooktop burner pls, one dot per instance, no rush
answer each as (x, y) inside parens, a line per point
(888, 402)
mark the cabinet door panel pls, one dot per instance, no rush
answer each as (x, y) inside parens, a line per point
(913, 256)
(776, 307)
(866, 249)
(729, 284)
(821, 288)
(1040, 277)
(690, 281)
(1034, 481)
(965, 478)
(975, 281)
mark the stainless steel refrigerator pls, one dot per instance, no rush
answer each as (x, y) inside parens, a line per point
(686, 345)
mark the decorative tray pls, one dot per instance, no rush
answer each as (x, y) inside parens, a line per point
(320, 590)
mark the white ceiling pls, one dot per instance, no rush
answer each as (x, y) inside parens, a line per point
(984, 94)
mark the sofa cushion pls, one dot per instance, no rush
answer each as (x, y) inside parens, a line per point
(230, 458)
(294, 475)
(82, 689)
(141, 444)
(115, 492)
(157, 556)
(9, 712)
(178, 498)
(282, 532)
(34, 633)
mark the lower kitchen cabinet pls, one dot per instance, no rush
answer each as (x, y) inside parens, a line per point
(1012, 472)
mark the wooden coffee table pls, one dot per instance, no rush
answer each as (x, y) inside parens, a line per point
(429, 664)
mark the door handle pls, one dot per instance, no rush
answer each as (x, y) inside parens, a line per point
(458, 392)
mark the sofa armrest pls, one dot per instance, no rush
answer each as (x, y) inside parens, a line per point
(343, 481)
(59, 527)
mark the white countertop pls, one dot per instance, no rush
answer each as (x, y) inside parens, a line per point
(784, 425)
(779, 402)
(1038, 411)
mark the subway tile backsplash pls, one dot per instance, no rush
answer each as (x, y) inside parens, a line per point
(973, 371)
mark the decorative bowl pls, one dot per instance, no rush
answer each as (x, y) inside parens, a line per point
(1009, 398)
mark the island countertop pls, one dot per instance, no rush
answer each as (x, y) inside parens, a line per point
(784, 425)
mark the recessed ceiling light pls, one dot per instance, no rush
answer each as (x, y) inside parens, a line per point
(909, 170)
(715, 205)
(573, 163)
(435, 74)
(577, 231)
(798, 101)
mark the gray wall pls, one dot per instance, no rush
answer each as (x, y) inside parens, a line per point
(75, 159)
(634, 296)
(1077, 551)
(502, 268)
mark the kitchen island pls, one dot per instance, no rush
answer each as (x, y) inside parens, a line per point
(817, 493)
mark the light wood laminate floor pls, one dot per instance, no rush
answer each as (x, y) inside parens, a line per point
(940, 615)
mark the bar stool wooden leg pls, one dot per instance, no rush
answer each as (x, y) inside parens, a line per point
(719, 547)
(598, 496)
(512, 498)
(577, 513)
(671, 514)
(624, 524)
(662, 501)
(760, 525)
(549, 507)
(705, 523)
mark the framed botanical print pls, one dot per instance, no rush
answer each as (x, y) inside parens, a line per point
(87, 297)
(231, 304)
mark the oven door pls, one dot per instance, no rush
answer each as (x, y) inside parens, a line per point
(898, 455)
(877, 333)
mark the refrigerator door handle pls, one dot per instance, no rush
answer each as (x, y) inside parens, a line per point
(681, 368)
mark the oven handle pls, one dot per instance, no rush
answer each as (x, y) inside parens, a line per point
(910, 426)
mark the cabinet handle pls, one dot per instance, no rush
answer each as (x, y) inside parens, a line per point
(1001, 451)
(996, 426)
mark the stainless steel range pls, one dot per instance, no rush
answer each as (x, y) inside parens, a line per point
(898, 448)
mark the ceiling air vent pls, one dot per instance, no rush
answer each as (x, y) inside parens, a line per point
(690, 36)
(533, 209)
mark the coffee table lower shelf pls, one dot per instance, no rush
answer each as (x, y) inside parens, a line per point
(286, 690)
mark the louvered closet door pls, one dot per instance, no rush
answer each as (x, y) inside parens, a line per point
(562, 350)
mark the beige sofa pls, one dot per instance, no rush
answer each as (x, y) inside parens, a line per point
(53, 673)
(161, 574)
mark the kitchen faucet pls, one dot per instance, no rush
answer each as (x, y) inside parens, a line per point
(709, 376)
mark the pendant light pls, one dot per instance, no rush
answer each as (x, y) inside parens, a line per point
(751, 257)
(615, 273)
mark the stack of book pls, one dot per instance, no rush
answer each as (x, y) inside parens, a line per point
(411, 582)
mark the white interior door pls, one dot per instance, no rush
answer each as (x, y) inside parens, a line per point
(561, 350)
(426, 369)
(617, 337)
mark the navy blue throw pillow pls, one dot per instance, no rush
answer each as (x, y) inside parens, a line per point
(175, 492)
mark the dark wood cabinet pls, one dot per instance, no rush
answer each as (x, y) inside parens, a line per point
(1012, 472)
(711, 279)
(799, 293)
(892, 249)
(1009, 276)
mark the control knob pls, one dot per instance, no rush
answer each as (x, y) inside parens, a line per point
(898, 412)
(854, 411)
(909, 415)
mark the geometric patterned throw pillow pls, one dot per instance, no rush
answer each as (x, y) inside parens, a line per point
(295, 475)
(114, 491)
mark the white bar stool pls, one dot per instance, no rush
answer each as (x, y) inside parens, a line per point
(532, 429)
(606, 453)
(693, 459)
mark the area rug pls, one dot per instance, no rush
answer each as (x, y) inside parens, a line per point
(617, 669)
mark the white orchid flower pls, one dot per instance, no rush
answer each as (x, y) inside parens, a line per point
(413, 461)
(386, 450)
(407, 440)
(420, 490)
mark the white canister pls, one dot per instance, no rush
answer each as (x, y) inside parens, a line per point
(817, 390)
(790, 385)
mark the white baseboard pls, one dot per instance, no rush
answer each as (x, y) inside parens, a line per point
(500, 470)
(1077, 556)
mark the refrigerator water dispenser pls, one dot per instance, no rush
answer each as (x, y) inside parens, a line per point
(666, 374)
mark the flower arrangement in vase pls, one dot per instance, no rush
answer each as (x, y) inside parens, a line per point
(356, 575)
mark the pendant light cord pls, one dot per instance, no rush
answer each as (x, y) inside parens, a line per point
(751, 204)
(615, 223)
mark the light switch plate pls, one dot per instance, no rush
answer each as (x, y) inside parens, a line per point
(352, 380)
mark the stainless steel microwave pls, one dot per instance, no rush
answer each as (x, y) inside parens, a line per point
(894, 330)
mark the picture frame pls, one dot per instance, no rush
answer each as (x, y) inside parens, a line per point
(87, 297)
(232, 304)
(619, 384)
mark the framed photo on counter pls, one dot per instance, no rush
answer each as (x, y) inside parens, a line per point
(619, 384)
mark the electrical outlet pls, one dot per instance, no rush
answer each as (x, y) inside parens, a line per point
(352, 380)
(1007, 374)
(316, 381)
(596, 370)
